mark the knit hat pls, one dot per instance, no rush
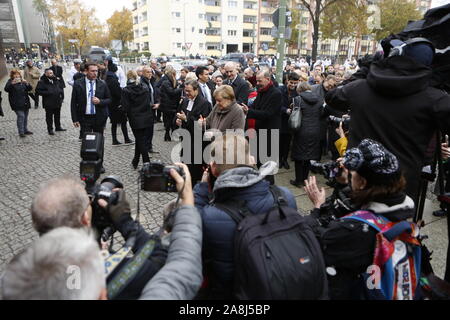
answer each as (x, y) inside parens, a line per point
(421, 52)
(373, 161)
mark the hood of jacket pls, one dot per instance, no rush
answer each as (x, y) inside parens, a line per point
(396, 208)
(398, 76)
(243, 177)
(309, 97)
(136, 89)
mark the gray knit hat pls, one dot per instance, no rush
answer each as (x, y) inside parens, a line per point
(373, 161)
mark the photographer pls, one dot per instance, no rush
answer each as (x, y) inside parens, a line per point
(348, 245)
(63, 202)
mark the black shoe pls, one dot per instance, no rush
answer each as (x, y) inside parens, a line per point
(128, 142)
(2, 139)
(152, 151)
(28, 133)
(22, 135)
(135, 163)
(167, 137)
(60, 130)
(440, 213)
(103, 170)
(116, 143)
(297, 184)
(286, 165)
(51, 133)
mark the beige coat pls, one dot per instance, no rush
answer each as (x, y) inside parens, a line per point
(32, 76)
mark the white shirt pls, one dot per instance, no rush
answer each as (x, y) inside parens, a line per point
(206, 92)
(190, 105)
(88, 95)
(72, 72)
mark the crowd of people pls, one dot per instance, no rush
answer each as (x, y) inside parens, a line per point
(394, 116)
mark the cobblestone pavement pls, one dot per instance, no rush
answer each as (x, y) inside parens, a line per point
(27, 162)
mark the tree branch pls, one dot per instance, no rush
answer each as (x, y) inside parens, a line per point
(311, 13)
(323, 7)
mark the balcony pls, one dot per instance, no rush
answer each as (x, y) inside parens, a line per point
(213, 38)
(265, 38)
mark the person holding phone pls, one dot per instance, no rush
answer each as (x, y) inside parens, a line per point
(19, 100)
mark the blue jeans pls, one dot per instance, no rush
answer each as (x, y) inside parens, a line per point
(22, 120)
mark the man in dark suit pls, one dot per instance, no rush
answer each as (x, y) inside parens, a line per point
(190, 110)
(239, 85)
(58, 73)
(206, 88)
(90, 100)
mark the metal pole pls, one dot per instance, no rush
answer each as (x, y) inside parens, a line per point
(254, 35)
(281, 40)
(184, 16)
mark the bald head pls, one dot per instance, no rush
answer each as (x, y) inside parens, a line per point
(231, 70)
(60, 202)
(248, 73)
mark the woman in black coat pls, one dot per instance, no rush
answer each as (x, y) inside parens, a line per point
(116, 111)
(170, 99)
(19, 100)
(306, 144)
(136, 104)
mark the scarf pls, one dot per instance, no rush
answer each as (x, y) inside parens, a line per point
(266, 88)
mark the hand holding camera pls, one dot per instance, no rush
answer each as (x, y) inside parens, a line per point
(184, 184)
(117, 206)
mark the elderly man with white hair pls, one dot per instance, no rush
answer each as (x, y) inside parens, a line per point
(239, 85)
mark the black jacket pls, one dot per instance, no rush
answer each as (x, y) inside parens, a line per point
(396, 106)
(58, 72)
(241, 89)
(136, 104)
(306, 143)
(51, 91)
(116, 113)
(267, 109)
(349, 245)
(79, 101)
(286, 102)
(170, 96)
(18, 95)
(212, 88)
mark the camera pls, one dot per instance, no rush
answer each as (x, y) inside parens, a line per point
(155, 177)
(329, 170)
(345, 121)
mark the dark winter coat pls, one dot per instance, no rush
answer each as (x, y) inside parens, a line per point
(218, 227)
(170, 96)
(240, 88)
(18, 95)
(116, 112)
(267, 109)
(320, 92)
(396, 106)
(136, 104)
(286, 102)
(348, 245)
(58, 72)
(51, 91)
(306, 144)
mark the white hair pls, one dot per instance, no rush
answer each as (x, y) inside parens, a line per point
(64, 264)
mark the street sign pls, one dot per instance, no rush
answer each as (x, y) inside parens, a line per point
(188, 45)
(276, 18)
(116, 45)
(265, 46)
(73, 40)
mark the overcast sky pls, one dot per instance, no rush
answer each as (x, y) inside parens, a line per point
(105, 8)
(437, 3)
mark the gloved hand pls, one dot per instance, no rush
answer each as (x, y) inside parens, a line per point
(118, 207)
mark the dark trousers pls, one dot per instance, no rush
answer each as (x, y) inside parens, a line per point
(149, 137)
(302, 170)
(285, 146)
(35, 98)
(157, 114)
(53, 116)
(140, 149)
(168, 121)
(124, 128)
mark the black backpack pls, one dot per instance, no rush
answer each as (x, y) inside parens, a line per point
(276, 255)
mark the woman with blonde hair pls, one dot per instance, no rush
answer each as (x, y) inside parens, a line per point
(170, 99)
(19, 100)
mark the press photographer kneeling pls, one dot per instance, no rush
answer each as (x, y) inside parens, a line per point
(349, 242)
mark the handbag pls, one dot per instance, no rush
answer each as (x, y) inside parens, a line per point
(295, 119)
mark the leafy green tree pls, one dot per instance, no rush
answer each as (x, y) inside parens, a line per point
(120, 26)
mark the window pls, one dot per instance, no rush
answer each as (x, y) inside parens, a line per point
(144, 17)
(176, 14)
(176, 30)
(213, 46)
(201, 16)
(266, 17)
(249, 19)
(212, 18)
(213, 3)
(201, 45)
(145, 46)
(213, 32)
(248, 33)
(136, 33)
(200, 30)
(304, 20)
(232, 4)
(265, 31)
(249, 5)
(144, 32)
(232, 18)
(232, 32)
(136, 21)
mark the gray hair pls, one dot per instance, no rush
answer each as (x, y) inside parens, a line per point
(265, 72)
(65, 264)
(60, 202)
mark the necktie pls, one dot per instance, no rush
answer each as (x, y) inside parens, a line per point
(91, 95)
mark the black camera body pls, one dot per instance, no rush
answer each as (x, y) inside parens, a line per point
(336, 120)
(329, 170)
(155, 177)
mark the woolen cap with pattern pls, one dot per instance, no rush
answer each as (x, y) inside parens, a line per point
(373, 161)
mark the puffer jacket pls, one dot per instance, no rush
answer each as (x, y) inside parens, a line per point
(242, 183)
(18, 95)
